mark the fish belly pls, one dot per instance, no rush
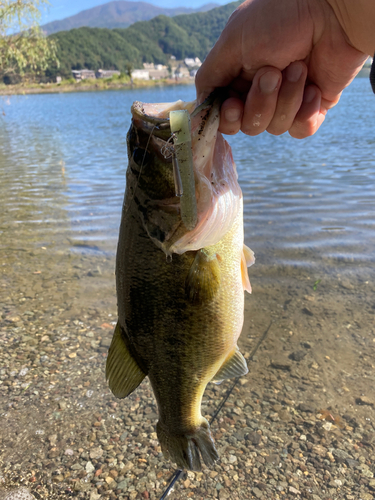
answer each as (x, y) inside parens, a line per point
(180, 345)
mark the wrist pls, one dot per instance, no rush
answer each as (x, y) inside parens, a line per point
(357, 19)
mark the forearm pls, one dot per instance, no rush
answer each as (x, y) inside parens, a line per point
(357, 19)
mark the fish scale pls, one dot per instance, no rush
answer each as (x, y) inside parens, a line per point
(180, 312)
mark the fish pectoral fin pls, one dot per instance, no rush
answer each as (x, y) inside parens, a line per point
(204, 277)
(249, 256)
(247, 260)
(122, 371)
(234, 366)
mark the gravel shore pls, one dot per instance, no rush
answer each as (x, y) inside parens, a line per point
(298, 426)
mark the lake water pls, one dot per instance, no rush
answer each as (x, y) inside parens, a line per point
(309, 213)
(63, 160)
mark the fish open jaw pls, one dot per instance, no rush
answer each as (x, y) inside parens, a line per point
(218, 194)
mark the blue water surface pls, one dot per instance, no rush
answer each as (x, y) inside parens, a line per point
(63, 159)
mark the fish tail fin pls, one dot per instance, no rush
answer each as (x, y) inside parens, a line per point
(186, 450)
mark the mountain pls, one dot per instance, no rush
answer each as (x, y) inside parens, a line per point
(191, 35)
(117, 14)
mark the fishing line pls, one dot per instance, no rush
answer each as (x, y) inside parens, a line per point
(230, 390)
(180, 472)
(178, 475)
(141, 167)
(372, 74)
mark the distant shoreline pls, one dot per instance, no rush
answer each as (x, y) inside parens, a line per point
(56, 88)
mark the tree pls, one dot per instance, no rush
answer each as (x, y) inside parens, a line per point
(129, 69)
(23, 47)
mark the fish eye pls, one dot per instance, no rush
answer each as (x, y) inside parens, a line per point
(141, 157)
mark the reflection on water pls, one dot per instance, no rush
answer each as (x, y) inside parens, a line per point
(314, 198)
(309, 217)
(63, 159)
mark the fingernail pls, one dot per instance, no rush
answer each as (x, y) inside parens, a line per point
(232, 114)
(309, 94)
(269, 82)
(294, 72)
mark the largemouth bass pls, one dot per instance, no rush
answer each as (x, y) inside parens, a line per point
(180, 292)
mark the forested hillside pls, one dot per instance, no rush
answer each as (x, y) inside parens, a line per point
(118, 14)
(147, 41)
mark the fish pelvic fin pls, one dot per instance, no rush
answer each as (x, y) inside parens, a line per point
(204, 277)
(247, 260)
(187, 450)
(234, 366)
(122, 371)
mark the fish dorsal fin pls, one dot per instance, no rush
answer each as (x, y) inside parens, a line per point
(247, 260)
(234, 366)
(204, 277)
(122, 371)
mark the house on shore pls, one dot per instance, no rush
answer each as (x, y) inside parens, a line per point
(156, 71)
(83, 74)
(193, 63)
(141, 74)
(106, 73)
(182, 72)
(157, 74)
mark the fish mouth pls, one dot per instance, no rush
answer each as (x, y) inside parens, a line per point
(155, 117)
(218, 196)
(214, 100)
(159, 126)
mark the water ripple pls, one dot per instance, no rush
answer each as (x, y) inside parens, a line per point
(63, 162)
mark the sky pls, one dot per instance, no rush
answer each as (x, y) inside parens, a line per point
(59, 9)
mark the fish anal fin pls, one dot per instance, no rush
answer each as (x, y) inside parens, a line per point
(234, 366)
(247, 260)
(204, 277)
(122, 371)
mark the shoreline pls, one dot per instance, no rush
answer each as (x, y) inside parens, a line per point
(56, 88)
(299, 426)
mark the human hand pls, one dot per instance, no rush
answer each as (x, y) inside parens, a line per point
(284, 64)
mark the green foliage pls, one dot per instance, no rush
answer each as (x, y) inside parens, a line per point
(23, 47)
(204, 28)
(68, 81)
(149, 50)
(93, 48)
(154, 41)
(165, 37)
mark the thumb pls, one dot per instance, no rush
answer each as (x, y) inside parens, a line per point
(221, 66)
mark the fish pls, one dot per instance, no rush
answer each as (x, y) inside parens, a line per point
(180, 291)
